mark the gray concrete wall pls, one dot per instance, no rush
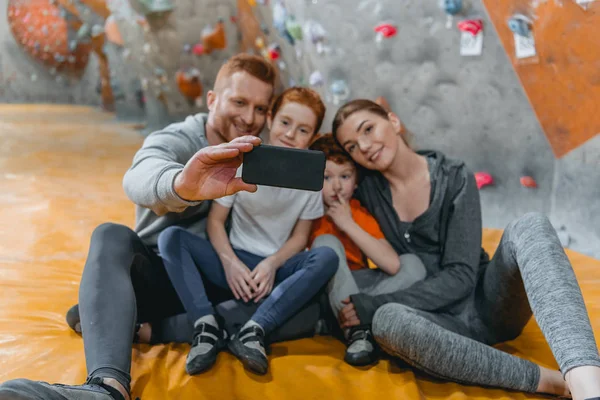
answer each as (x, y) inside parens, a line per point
(473, 108)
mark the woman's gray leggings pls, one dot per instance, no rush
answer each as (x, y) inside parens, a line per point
(529, 272)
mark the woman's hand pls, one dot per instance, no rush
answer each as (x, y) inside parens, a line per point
(348, 316)
(263, 277)
(341, 214)
(239, 279)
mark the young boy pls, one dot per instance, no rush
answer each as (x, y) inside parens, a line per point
(346, 219)
(372, 264)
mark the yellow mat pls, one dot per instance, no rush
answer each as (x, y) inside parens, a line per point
(60, 173)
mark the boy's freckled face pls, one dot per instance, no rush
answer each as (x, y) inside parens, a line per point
(340, 182)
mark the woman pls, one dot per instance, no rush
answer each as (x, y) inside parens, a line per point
(368, 263)
(428, 204)
(265, 246)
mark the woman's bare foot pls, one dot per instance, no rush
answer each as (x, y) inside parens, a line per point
(114, 383)
(584, 382)
(552, 382)
(145, 333)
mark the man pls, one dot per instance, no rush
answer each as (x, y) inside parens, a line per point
(172, 176)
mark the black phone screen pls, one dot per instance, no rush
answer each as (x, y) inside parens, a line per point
(284, 167)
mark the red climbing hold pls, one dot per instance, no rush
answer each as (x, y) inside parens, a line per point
(274, 52)
(198, 49)
(473, 26)
(528, 182)
(386, 30)
(483, 179)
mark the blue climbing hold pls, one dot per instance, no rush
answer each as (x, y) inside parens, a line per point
(452, 7)
(519, 24)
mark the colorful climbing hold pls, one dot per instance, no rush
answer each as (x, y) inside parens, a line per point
(264, 28)
(316, 79)
(214, 38)
(97, 30)
(528, 182)
(340, 91)
(279, 14)
(473, 26)
(483, 179)
(385, 30)
(314, 31)
(259, 43)
(156, 6)
(294, 28)
(84, 32)
(188, 82)
(274, 51)
(451, 7)
(520, 25)
(198, 49)
(112, 32)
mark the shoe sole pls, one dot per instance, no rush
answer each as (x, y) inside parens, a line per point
(205, 366)
(249, 363)
(202, 367)
(361, 362)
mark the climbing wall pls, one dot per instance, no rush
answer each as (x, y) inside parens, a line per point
(176, 49)
(56, 52)
(562, 78)
(148, 57)
(446, 74)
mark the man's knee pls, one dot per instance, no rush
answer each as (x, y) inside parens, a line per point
(110, 236)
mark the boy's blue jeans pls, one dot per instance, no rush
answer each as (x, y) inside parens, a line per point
(188, 257)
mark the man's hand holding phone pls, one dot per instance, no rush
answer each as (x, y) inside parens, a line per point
(211, 172)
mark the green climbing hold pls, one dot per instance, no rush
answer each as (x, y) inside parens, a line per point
(293, 28)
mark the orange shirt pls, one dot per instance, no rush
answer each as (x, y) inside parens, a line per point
(356, 258)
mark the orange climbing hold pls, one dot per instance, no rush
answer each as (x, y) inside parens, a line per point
(41, 31)
(188, 82)
(528, 182)
(214, 39)
(113, 34)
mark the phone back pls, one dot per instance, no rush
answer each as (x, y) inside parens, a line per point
(284, 167)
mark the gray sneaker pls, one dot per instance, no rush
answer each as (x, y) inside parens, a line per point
(24, 389)
(208, 341)
(362, 349)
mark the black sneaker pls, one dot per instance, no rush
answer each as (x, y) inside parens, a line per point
(208, 341)
(249, 347)
(24, 389)
(362, 349)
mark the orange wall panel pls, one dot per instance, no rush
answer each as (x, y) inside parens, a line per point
(563, 81)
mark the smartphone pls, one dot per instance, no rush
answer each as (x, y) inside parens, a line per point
(284, 167)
